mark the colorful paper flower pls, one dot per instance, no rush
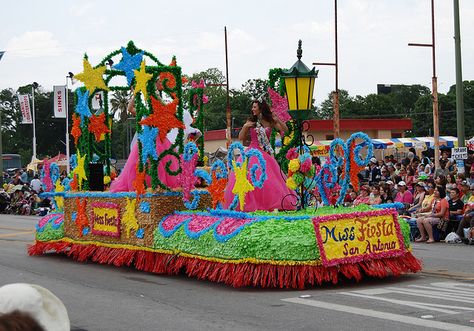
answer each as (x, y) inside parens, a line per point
(279, 105)
(142, 78)
(97, 126)
(292, 154)
(128, 64)
(163, 117)
(306, 165)
(92, 78)
(291, 184)
(298, 178)
(294, 165)
(148, 139)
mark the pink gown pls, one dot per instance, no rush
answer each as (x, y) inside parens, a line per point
(124, 182)
(274, 189)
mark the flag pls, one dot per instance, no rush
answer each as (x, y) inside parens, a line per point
(59, 101)
(1, 54)
(24, 101)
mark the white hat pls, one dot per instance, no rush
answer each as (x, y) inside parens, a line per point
(37, 301)
(402, 183)
(389, 182)
(373, 160)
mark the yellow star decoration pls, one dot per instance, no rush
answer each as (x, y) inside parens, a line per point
(92, 78)
(79, 169)
(129, 221)
(59, 200)
(242, 184)
(142, 79)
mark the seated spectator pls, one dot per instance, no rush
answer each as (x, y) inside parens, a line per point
(374, 172)
(385, 194)
(36, 184)
(418, 199)
(467, 219)
(363, 196)
(392, 189)
(404, 196)
(456, 207)
(426, 205)
(450, 184)
(466, 191)
(374, 198)
(385, 174)
(440, 211)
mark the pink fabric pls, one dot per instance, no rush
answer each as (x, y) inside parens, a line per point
(274, 189)
(124, 182)
(406, 197)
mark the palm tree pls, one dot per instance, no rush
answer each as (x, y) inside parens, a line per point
(119, 103)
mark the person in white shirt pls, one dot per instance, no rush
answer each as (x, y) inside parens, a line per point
(36, 184)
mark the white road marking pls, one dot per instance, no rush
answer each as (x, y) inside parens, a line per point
(428, 294)
(414, 304)
(381, 315)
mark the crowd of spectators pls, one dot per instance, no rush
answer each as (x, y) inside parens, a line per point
(20, 194)
(435, 202)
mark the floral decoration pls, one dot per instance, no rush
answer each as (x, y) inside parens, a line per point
(148, 139)
(142, 78)
(279, 105)
(129, 220)
(97, 126)
(128, 64)
(92, 78)
(163, 117)
(300, 168)
(76, 131)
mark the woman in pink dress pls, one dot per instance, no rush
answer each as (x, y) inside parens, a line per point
(124, 182)
(271, 195)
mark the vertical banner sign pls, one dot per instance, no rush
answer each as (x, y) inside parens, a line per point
(24, 101)
(59, 101)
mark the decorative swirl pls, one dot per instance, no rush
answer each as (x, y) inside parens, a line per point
(221, 170)
(230, 154)
(261, 165)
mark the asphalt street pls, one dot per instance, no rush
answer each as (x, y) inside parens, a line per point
(103, 297)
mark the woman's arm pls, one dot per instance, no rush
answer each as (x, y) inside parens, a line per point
(131, 106)
(279, 125)
(243, 134)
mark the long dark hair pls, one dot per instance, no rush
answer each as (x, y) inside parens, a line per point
(265, 111)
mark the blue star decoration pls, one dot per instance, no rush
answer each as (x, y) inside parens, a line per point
(82, 107)
(145, 207)
(128, 64)
(140, 233)
(148, 140)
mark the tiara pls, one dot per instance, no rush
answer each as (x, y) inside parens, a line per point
(260, 97)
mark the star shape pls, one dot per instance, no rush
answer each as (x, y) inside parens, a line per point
(242, 185)
(142, 78)
(148, 140)
(76, 131)
(92, 78)
(97, 126)
(163, 117)
(216, 190)
(129, 220)
(82, 107)
(79, 169)
(128, 64)
(59, 199)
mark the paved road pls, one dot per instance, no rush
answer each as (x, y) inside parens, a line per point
(102, 297)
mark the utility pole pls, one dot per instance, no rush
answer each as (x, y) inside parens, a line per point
(228, 112)
(434, 82)
(335, 93)
(34, 86)
(459, 84)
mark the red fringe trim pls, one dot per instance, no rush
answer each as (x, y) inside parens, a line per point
(236, 275)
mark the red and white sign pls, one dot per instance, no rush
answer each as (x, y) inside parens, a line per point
(59, 101)
(24, 101)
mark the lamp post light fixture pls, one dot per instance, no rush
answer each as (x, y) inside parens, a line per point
(299, 84)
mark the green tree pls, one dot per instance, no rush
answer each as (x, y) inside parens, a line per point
(119, 103)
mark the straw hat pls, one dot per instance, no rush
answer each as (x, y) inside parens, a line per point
(37, 301)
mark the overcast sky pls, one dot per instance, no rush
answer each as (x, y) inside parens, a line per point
(46, 39)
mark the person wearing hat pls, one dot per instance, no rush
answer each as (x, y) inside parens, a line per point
(466, 192)
(36, 302)
(403, 196)
(468, 218)
(374, 172)
(363, 196)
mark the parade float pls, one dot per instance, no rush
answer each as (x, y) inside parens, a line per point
(170, 230)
